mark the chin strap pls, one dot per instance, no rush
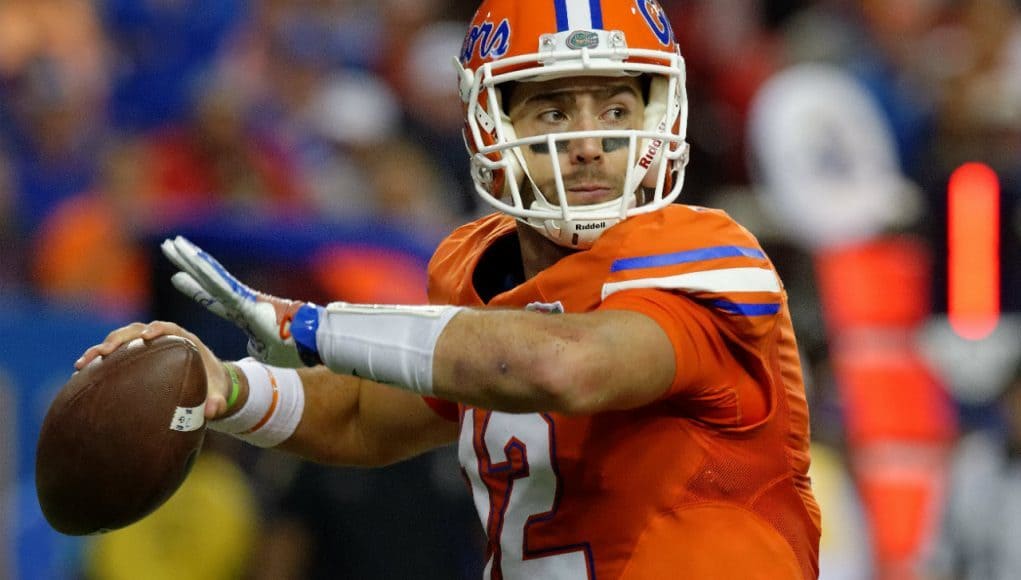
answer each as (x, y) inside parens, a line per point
(578, 233)
(584, 229)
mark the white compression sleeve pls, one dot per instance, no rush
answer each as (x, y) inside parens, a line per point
(389, 344)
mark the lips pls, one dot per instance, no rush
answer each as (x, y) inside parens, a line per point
(589, 193)
(588, 187)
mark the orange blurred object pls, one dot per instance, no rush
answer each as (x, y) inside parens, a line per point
(890, 393)
(900, 420)
(370, 275)
(83, 255)
(880, 283)
(973, 236)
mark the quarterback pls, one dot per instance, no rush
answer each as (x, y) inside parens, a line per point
(619, 371)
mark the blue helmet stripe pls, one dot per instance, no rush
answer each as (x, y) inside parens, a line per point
(561, 10)
(596, 7)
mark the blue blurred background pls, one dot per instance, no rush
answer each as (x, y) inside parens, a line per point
(315, 148)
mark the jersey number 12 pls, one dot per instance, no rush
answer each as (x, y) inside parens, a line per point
(517, 451)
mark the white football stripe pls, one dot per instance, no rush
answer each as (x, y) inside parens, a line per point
(579, 15)
(716, 281)
(188, 418)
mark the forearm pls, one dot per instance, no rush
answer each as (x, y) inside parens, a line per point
(506, 360)
(329, 428)
(520, 361)
(351, 421)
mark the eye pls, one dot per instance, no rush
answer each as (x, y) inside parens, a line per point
(616, 114)
(552, 116)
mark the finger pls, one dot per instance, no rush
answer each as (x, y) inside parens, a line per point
(187, 285)
(112, 342)
(168, 249)
(158, 328)
(183, 254)
(199, 285)
(211, 275)
(88, 356)
(172, 253)
(191, 280)
(202, 262)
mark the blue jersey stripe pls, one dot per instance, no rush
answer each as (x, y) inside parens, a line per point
(747, 309)
(561, 10)
(596, 6)
(685, 257)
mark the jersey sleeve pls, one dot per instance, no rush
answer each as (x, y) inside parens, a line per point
(709, 285)
(737, 283)
(710, 382)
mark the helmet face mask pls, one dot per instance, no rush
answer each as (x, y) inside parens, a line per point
(505, 48)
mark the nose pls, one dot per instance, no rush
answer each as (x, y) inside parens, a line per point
(587, 150)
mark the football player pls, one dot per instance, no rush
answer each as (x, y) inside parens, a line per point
(619, 371)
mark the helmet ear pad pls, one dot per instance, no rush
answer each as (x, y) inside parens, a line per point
(656, 105)
(515, 170)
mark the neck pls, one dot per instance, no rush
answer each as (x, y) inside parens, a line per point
(537, 251)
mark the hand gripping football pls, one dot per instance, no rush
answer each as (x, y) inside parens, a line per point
(121, 436)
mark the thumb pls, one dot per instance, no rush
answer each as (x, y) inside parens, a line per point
(216, 406)
(218, 384)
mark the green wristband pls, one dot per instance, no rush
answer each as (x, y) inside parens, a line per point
(235, 385)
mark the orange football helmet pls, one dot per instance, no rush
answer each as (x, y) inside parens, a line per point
(537, 40)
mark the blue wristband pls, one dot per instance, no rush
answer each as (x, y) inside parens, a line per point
(303, 329)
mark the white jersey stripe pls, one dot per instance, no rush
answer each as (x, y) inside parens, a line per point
(715, 281)
(579, 15)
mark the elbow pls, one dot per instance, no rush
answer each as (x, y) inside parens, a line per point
(346, 460)
(346, 456)
(381, 457)
(574, 378)
(357, 447)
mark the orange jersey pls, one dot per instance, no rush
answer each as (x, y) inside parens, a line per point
(707, 482)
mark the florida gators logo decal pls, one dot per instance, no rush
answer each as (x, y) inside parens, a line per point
(656, 20)
(546, 307)
(487, 39)
(582, 39)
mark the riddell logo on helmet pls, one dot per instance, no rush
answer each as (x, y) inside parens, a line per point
(650, 154)
(583, 227)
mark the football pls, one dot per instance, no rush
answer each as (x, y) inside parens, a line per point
(121, 436)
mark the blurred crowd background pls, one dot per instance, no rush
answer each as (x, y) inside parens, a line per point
(315, 148)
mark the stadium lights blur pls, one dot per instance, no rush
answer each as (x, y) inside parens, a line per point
(973, 240)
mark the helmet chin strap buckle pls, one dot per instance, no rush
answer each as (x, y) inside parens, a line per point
(574, 234)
